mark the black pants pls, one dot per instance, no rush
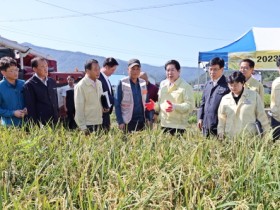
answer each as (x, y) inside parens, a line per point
(106, 124)
(134, 126)
(207, 132)
(173, 131)
(70, 118)
(276, 126)
(93, 128)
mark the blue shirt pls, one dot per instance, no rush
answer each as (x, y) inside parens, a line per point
(11, 99)
(138, 109)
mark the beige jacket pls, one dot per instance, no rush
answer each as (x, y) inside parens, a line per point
(234, 119)
(181, 95)
(87, 103)
(255, 85)
(275, 99)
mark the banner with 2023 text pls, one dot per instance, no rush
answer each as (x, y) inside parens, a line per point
(264, 60)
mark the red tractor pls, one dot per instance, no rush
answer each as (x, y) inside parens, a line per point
(24, 56)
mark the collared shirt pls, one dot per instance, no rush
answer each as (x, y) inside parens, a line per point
(44, 81)
(87, 103)
(208, 110)
(138, 109)
(92, 82)
(215, 82)
(171, 84)
(41, 101)
(11, 99)
(108, 82)
(182, 98)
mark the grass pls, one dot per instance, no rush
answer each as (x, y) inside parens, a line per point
(197, 98)
(266, 100)
(47, 169)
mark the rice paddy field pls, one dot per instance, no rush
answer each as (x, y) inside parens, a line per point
(61, 169)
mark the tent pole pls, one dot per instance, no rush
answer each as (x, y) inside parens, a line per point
(198, 75)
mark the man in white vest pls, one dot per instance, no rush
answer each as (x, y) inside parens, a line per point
(131, 94)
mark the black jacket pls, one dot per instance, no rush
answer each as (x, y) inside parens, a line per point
(70, 105)
(211, 98)
(105, 88)
(41, 100)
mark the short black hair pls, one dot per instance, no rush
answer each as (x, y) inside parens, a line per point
(278, 62)
(71, 76)
(110, 62)
(217, 61)
(6, 62)
(174, 62)
(236, 76)
(89, 63)
(34, 61)
(249, 61)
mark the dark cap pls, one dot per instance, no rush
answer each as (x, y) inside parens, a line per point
(133, 62)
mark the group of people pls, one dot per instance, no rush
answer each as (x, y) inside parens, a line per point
(230, 106)
(35, 99)
(235, 105)
(136, 99)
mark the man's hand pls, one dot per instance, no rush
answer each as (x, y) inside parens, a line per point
(169, 107)
(65, 109)
(25, 111)
(122, 126)
(200, 124)
(150, 105)
(106, 110)
(19, 113)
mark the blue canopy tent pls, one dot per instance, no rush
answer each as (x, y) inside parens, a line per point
(259, 44)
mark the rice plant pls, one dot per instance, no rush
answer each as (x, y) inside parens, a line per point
(61, 169)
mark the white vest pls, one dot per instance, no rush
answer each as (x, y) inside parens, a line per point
(127, 102)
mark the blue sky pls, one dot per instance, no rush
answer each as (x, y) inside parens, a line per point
(153, 31)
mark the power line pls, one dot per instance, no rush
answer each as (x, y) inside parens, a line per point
(135, 26)
(88, 45)
(104, 12)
